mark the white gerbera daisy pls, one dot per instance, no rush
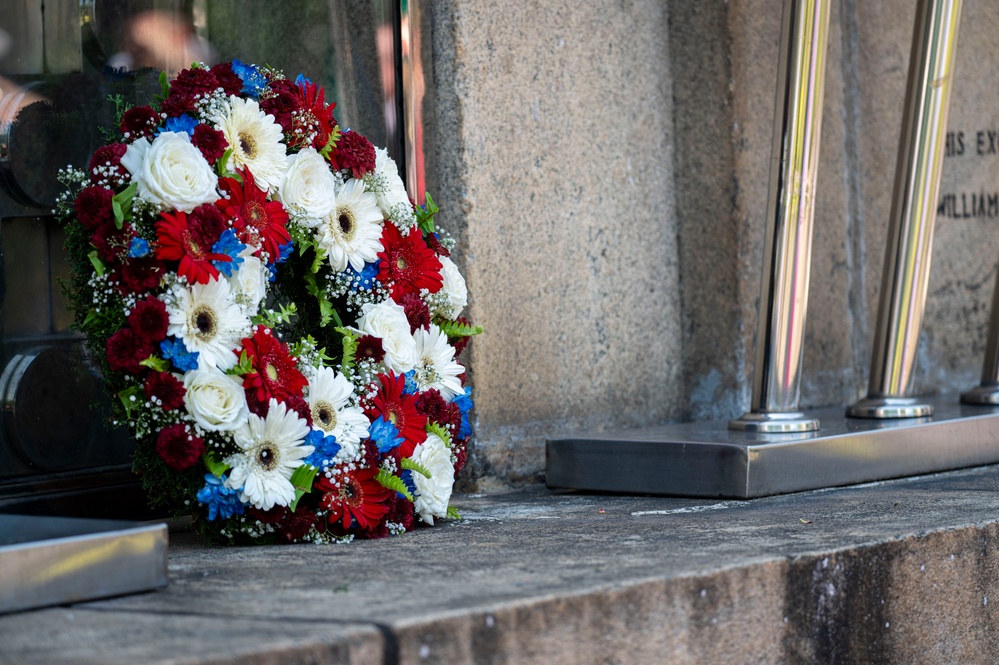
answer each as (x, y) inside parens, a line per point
(255, 139)
(436, 366)
(352, 233)
(272, 450)
(209, 321)
(332, 413)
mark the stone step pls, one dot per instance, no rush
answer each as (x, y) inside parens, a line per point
(898, 571)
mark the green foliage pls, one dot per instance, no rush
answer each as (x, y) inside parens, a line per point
(394, 483)
(156, 363)
(408, 463)
(214, 465)
(331, 143)
(348, 361)
(301, 480)
(131, 399)
(120, 107)
(243, 367)
(425, 215)
(326, 310)
(435, 428)
(96, 262)
(453, 513)
(458, 328)
(222, 167)
(273, 318)
(121, 204)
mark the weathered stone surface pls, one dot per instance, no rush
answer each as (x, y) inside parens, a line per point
(562, 189)
(902, 571)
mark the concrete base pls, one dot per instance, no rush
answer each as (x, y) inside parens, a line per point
(898, 571)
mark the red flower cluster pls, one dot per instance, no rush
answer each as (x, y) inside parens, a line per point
(275, 373)
(300, 108)
(196, 81)
(189, 240)
(399, 409)
(105, 165)
(408, 264)
(355, 495)
(256, 220)
(179, 448)
(355, 153)
(139, 122)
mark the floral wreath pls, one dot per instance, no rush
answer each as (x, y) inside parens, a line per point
(278, 325)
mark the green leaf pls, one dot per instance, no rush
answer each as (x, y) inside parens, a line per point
(458, 328)
(272, 319)
(439, 430)
(348, 362)
(243, 367)
(425, 215)
(331, 142)
(155, 362)
(393, 482)
(96, 262)
(214, 465)
(121, 204)
(130, 399)
(301, 480)
(453, 513)
(326, 310)
(164, 85)
(408, 463)
(220, 166)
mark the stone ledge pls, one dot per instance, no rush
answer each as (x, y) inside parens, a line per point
(900, 571)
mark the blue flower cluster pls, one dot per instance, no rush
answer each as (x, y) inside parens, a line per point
(221, 501)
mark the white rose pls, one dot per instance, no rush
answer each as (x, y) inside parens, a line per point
(215, 399)
(249, 282)
(454, 287)
(433, 493)
(308, 184)
(388, 322)
(393, 190)
(171, 172)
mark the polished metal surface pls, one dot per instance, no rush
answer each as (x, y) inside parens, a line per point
(987, 391)
(708, 460)
(790, 211)
(914, 207)
(56, 561)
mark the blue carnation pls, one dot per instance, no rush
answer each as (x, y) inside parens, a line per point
(411, 387)
(325, 446)
(464, 403)
(182, 124)
(301, 81)
(253, 79)
(221, 501)
(138, 248)
(407, 479)
(174, 350)
(385, 435)
(229, 245)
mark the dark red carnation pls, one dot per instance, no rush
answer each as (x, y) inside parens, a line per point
(179, 448)
(138, 122)
(143, 274)
(298, 404)
(274, 515)
(227, 79)
(177, 104)
(149, 320)
(275, 373)
(354, 152)
(297, 524)
(93, 207)
(408, 263)
(210, 141)
(355, 496)
(258, 221)
(206, 224)
(417, 312)
(437, 410)
(460, 451)
(435, 244)
(165, 387)
(370, 348)
(284, 104)
(193, 82)
(125, 350)
(111, 242)
(105, 165)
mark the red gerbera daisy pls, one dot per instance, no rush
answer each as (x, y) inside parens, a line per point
(400, 410)
(258, 221)
(408, 263)
(275, 373)
(355, 495)
(176, 242)
(312, 99)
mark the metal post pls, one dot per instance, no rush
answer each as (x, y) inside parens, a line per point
(913, 212)
(988, 391)
(794, 161)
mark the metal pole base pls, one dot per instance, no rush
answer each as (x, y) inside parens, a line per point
(890, 407)
(777, 422)
(987, 395)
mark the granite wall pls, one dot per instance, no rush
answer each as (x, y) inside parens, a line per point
(605, 166)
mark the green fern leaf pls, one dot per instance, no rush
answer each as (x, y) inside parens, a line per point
(408, 463)
(459, 329)
(393, 482)
(435, 428)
